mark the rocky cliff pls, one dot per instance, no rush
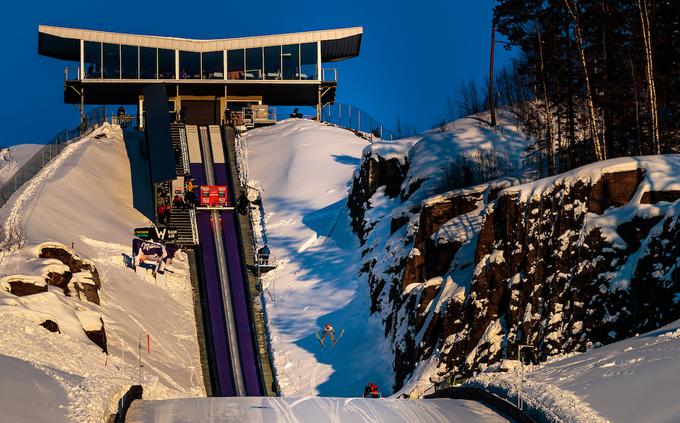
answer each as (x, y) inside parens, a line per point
(561, 264)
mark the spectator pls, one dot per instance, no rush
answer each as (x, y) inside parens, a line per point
(178, 201)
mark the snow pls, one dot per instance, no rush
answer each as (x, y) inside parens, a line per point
(467, 137)
(39, 396)
(630, 380)
(82, 201)
(303, 169)
(12, 158)
(310, 409)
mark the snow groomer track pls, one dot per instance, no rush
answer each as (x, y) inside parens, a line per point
(234, 361)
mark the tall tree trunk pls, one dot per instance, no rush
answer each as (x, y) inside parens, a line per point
(570, 106)
(638, 138)
(649, 70)
(492, 100)
(600, 152)
(546, 104)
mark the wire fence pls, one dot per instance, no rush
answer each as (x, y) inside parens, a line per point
(42, 157)
(352, 117)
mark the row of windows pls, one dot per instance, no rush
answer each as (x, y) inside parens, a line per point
(115, 61)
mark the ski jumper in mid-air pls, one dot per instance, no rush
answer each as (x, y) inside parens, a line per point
(328, 331)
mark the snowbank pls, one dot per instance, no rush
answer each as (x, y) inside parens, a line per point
(632, 380)
(83, 200)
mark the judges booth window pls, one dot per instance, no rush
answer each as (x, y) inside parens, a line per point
(189, 65)
(129, 62)
(308, 61)
(213, 65)
(272, 62)
(93, 59)
(166, 64)
(111, 67)
(235, 64)
(147, 63)
(290, 58)
(254, 63)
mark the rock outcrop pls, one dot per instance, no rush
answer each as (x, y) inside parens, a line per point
(78, 278)
(561, 264)
(375, 172)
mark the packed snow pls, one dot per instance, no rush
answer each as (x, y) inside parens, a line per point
(82, 202)
(632, 380)
(303, 169)
(310, 409)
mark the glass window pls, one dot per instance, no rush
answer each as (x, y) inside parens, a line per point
(290, 56)
(129, 61)
(166, 64)
(254, 63)
(111, 66)
(272, 62)
(308, 61)
(213, 65)
(189, 65)
(147, 63)
(235, 61)
(93, 59)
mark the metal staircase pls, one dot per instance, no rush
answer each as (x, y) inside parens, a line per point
(184, 220)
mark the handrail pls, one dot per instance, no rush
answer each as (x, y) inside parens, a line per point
(353, 118)
(333, 71)
(69, 71)
(42, 157)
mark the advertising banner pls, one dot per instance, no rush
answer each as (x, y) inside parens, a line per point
(156, 234)
(213, 196)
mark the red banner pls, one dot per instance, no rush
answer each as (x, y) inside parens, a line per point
(213, 196)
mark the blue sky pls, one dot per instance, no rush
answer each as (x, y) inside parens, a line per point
(414, 54)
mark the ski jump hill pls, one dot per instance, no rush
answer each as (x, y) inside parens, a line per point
(74, 348)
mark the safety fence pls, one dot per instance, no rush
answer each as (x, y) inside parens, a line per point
(353, 118)
(42, 157)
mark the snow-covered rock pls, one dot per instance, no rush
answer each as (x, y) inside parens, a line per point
(563, 263)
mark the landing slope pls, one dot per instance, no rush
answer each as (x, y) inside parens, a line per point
(303, 169)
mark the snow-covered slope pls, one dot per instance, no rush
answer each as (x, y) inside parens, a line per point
(310, 409)
(304, 168)
(634, 380)
(13, 157)
(83, 201)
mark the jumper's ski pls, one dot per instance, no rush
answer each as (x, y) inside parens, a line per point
(319, 339)
(342, 332)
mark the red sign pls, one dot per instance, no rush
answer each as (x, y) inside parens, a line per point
(213, 196)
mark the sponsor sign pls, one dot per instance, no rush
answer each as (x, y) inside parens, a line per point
(213, 196)
(156, 234)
